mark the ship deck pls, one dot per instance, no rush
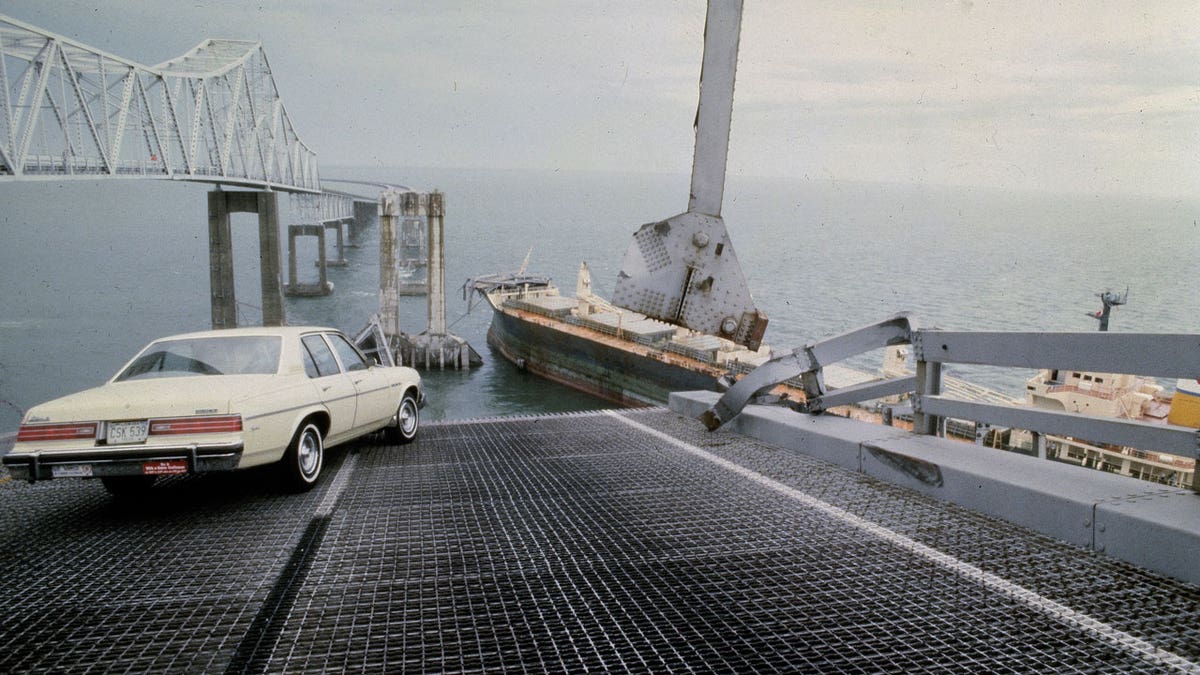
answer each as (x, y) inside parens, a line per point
(630, 540)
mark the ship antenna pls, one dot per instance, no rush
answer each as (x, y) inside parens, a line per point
(1109, 299)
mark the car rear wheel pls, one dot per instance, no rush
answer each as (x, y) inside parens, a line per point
(127, 486)
(407, 422)
(302, 462)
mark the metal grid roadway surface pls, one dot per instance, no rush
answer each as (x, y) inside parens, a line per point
(588, 543)
(600, 541)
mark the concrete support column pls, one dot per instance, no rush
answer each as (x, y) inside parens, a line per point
(389, 295)
(269, 259)
(340, 239)
(292, 272)
(220, 262)
(437, 265)
(322, 267)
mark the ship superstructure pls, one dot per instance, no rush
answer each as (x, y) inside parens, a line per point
(1117, 396)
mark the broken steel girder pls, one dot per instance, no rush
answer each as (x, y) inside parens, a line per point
(806, 363)
(683, 270)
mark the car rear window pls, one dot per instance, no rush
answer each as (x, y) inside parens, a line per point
(221, 355)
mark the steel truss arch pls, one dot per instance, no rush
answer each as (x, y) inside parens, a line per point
(211, 115)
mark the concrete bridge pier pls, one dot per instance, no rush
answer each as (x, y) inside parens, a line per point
(220, 254)
(294, 287)
(433, 348)
(340, 238)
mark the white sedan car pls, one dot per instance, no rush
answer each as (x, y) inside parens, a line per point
(217, 401)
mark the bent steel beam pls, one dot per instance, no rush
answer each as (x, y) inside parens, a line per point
(806, 363)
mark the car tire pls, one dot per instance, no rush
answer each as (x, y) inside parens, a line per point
(127, 486)
(301, 466)
(407, 421)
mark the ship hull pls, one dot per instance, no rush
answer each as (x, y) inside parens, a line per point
(617, 375)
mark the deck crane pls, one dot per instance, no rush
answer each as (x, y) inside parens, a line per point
(683, 270)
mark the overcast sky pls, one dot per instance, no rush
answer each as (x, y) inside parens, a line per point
(1088, 96)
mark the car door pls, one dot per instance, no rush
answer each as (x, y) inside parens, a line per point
(334, 386)
(377, 400)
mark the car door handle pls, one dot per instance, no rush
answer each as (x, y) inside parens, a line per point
(326, 387)
(358, 382)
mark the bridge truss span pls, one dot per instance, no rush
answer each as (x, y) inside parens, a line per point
(212, 115)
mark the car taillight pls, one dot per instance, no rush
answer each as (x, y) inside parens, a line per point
(56, 432)
(195, 425)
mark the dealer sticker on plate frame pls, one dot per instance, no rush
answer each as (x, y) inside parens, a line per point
(71, 470)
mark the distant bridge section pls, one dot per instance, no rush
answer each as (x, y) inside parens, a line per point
(213, 115)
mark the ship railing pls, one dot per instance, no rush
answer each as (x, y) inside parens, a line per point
(520, 294)
(1106, 394)
(1147, 354)
(708, 356)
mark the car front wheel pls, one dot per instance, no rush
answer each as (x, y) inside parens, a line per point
(407, 422)
(302, 462)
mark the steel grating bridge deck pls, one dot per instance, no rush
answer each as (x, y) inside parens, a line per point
(570, 543)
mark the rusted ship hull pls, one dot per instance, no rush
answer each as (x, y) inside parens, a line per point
(618, 375)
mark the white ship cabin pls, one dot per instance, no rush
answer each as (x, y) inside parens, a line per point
(1107, 395)
(1099, 394)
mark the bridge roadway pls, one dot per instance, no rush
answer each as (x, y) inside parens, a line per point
(599, 541)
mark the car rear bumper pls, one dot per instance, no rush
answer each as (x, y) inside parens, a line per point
(128, 461)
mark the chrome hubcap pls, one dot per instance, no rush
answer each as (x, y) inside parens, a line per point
(310, 453)
(408, 417)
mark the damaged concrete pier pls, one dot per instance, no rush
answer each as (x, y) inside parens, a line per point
(435, 347)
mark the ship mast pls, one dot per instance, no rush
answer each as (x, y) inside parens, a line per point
(1109, 299)
(683, 270)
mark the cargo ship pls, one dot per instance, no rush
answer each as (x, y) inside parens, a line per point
(627, 358)
(588, 344)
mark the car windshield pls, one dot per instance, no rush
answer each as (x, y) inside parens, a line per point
(232, 355)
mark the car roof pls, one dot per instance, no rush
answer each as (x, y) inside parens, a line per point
(282, 331)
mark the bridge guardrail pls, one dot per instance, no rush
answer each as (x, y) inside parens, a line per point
(1147, 354)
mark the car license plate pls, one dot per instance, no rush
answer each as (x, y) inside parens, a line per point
(71, 471)
(121, 433)
(164, 467)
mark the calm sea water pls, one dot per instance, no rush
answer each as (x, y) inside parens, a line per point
(92, 271)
